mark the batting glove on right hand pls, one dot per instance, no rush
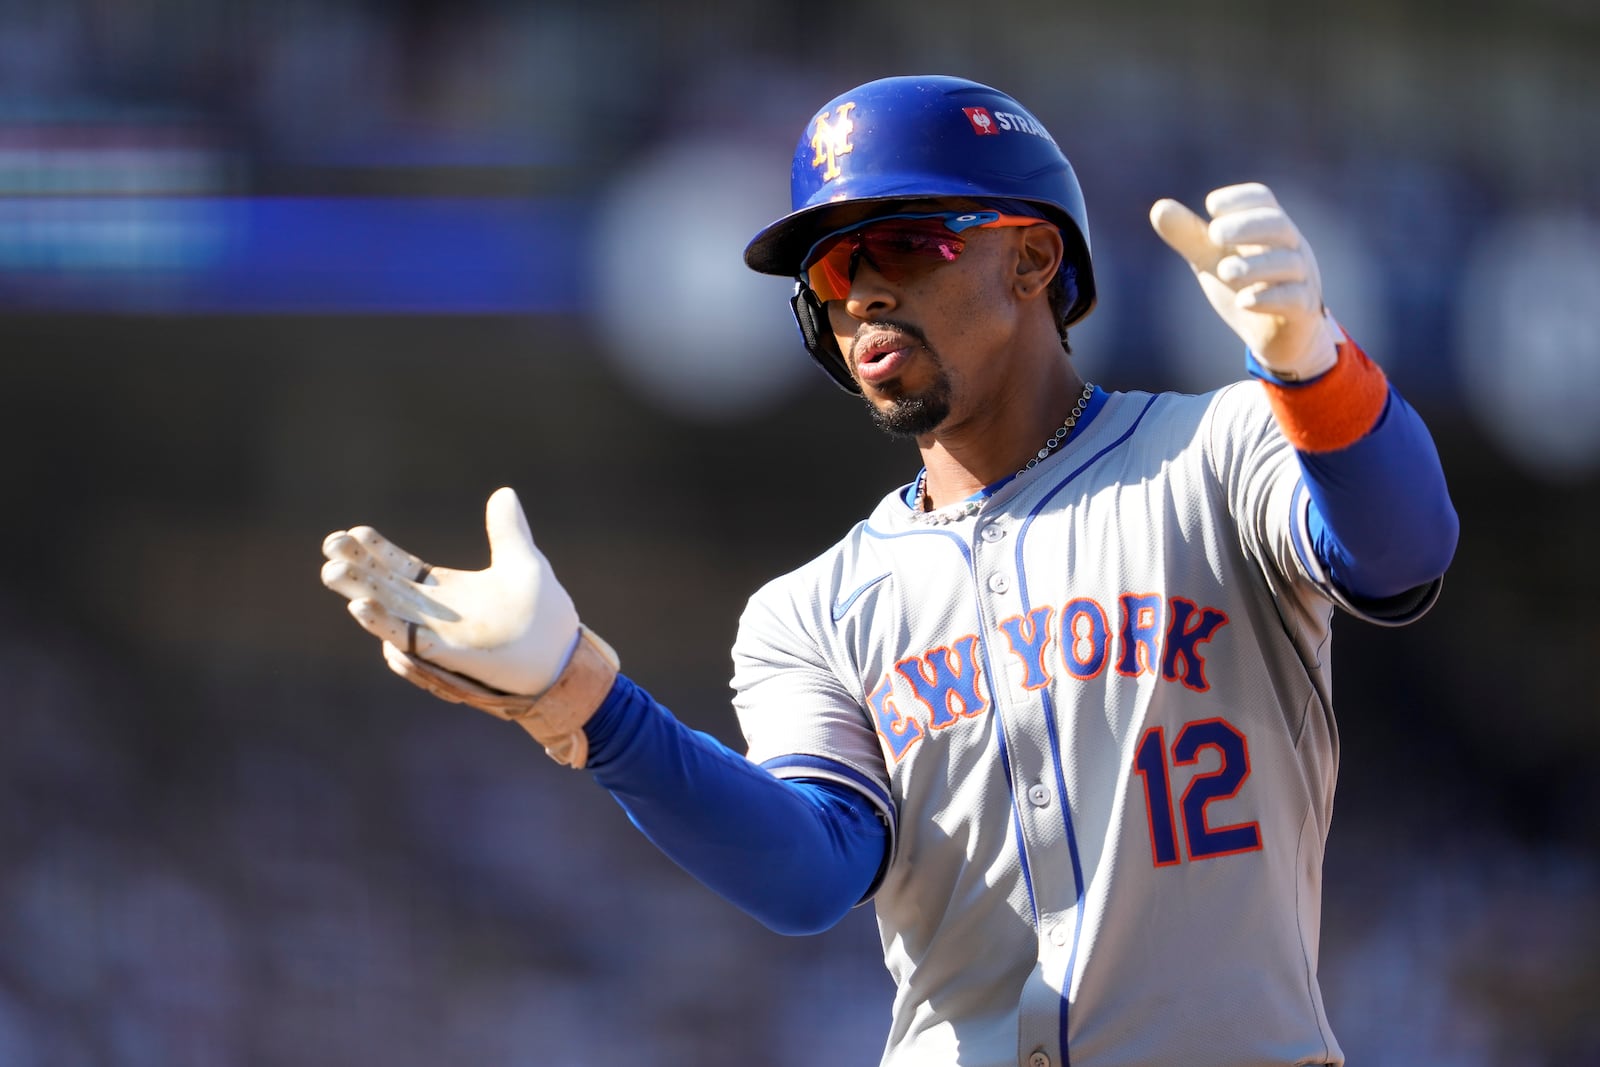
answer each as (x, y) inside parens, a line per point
(1259, 274)
(505, 639)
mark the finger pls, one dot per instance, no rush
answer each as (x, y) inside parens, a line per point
(1290, 298)
(1185, 232)
(357, 582)
(402, 633)
(1262, 268)
(1267, 226)
(347, 579)
(342, 547)
(1241, 197)
(330, 543)
(388, 555)
(397, 595)
(510, 540)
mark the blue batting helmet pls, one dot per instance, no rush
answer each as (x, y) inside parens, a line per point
(917, 137)
(913, 138)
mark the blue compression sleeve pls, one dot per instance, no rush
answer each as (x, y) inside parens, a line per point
(795, 854)
(1381, 521)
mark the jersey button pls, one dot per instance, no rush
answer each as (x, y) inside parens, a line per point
(992, 532)
(999, 583)
(1040, 796)
(1058, 934)
(1038, 1059)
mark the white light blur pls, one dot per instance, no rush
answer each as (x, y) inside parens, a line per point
(1529, 340)
(685, 322)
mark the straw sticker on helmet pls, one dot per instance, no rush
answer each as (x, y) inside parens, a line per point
(1022, 123)
(982, 122)
(830, 140)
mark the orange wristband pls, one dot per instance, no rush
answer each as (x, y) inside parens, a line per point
(1337, 409)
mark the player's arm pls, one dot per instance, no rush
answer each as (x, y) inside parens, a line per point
(1380, 522)
(795, 854)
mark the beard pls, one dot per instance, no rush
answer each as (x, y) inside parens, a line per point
(915, 414)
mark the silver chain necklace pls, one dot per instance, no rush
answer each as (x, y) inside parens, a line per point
(967, 508)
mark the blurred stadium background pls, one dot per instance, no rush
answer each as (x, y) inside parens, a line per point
(272, 268)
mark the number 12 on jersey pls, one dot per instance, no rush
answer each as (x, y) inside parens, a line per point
(1203, 840)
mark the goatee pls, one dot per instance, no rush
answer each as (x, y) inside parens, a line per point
(914, 415)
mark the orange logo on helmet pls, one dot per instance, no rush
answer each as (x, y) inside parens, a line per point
(832, 140)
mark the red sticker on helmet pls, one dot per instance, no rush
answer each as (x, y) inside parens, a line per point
(982, 121)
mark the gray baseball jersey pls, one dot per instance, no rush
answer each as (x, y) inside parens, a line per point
(1096, 717)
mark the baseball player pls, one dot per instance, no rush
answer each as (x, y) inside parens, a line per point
(1061, 705)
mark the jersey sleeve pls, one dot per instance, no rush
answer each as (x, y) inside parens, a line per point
(1260, 472)
(799, 717)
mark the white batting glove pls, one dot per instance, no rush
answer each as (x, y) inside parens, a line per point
(505, 640)
(1259, 274)
(511, 627)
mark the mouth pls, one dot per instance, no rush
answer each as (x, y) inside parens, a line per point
(882, 355)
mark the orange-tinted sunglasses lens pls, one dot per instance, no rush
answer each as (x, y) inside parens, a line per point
(897, 247)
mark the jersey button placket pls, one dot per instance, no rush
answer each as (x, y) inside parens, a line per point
(999, 583)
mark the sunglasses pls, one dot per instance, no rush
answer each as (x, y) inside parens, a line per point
(896, 246)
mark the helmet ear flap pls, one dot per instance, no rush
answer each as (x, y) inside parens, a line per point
(812, 318)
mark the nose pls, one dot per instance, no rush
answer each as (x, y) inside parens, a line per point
(871, 295)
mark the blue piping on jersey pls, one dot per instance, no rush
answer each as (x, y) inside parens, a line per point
(988, 679)
(1050, 731)
(819, 763)
(1016, 813)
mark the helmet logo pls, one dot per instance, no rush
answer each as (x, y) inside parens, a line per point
(982, 121)
(831, 140)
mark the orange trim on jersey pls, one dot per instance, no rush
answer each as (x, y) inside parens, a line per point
(1337, 409)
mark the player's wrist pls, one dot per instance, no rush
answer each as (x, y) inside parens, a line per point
(1313, 357)
(555, 718)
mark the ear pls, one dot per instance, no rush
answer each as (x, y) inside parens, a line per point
(1038, 258)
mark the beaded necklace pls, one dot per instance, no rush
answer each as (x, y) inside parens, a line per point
(967, 508)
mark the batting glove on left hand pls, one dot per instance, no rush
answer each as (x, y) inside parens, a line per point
(1259, 274)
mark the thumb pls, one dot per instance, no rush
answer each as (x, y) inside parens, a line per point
(510, 540)
(1186, 233)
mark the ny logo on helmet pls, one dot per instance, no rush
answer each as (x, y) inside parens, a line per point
(832, 140)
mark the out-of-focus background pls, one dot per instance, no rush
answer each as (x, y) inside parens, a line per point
(268, 269)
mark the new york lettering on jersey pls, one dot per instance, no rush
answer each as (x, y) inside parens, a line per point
(944, 680)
